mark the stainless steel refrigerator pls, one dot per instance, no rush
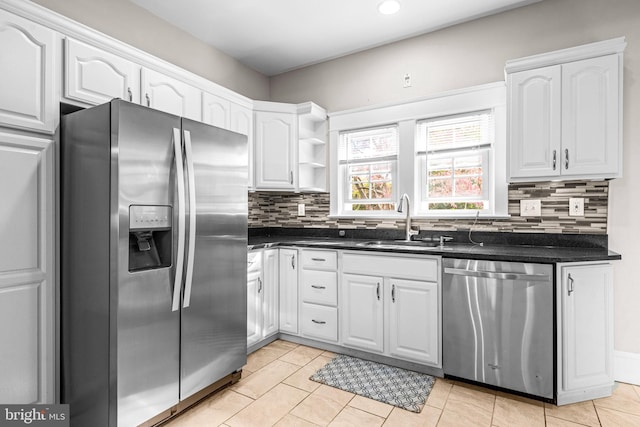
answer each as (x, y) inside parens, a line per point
(153, 262)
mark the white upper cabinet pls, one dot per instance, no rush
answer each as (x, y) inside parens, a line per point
(565, 111)
(216, 110)
(27, 86)
(275, 147)
(94, 76)
(591, 117)
(170, 95)
(535, 122)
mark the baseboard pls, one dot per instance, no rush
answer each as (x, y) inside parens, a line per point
(626, 367)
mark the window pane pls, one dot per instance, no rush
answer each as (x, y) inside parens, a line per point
(461, 205)
(370, 158)
(466, 187)
(440, 188)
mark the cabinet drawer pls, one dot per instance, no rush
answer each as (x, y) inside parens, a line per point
(320, 287)
(419, 268)
(325, 260)
(319, 322)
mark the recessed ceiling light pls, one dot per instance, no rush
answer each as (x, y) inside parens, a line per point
(389, 7)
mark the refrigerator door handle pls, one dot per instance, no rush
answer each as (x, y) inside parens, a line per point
(192, 217)
(177, 283)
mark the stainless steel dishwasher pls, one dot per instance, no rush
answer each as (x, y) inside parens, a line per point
(498, 324)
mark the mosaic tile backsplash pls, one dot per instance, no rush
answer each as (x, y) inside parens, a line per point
(268, 209)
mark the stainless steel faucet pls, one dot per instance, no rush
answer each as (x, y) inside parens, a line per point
(408, 232)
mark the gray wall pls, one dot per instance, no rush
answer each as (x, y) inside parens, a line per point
(474, 53)
(136, 26)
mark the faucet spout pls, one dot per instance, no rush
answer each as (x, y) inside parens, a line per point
(405, 200)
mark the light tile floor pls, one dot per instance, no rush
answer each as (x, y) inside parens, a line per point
(275, 390)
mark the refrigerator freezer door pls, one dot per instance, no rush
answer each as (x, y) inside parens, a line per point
(213, 325)
(146, 329)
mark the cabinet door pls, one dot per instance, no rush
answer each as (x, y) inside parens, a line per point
(270, 292)
(241, 121)
(26, 270)
(254, 307)
(534, 122)
(95, 76)
(289, 291)
(275, 155)
(215, 110)
(27, 83)
(362, 312)
(170, 95)
(587, 326)
(590, 116)
(414, 328)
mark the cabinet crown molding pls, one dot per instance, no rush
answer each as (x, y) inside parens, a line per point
(586, 51)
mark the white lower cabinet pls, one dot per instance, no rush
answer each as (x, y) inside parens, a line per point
(319, 294)
(262, 295)
(414, 321)
(391, 305)
(362, 312)
(585, 333)
(288, 290)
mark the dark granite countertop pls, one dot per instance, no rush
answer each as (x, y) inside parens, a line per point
(521, 247)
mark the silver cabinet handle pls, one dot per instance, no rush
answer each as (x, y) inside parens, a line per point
(393, 293)
(188, 157)
(291, 177)
(130, 94)
(293, 262)
(318, 287)
(555, 155)
(378, 291)
(319, 322)
(318, 259)
(570, 287)
(259, 285)
(177, 282)
(566, 158)
(146, 95)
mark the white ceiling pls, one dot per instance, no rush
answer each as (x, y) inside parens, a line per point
(274, 36)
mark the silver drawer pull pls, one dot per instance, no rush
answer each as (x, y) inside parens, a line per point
(318, 259)
(319, 322)
(318, 287)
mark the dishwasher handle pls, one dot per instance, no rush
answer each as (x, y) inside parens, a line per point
(497, 275)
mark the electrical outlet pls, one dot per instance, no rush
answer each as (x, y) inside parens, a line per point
(301, 209)
(407, 80)
(530, 207)
(576, 206)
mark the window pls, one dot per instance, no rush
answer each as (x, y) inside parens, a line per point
(453, 156)
(446, 151)
(368, 161)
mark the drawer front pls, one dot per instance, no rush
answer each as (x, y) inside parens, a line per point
(319, 287)
(419, 268)
(324, 260)
(319, 322)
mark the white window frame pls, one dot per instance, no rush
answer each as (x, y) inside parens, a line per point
(345, 190)
(423, 155)
(407, 115)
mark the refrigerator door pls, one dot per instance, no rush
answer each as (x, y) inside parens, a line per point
(214, 308)
(145, 330)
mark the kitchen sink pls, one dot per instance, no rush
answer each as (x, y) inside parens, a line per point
(393, 244)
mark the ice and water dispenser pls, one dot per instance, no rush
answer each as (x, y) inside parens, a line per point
(150, 237)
